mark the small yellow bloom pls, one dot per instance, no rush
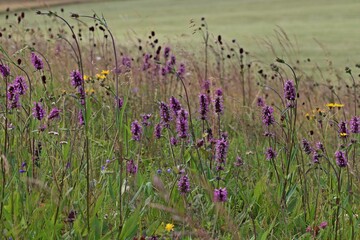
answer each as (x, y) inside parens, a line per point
(169, 227)
(105, 72)
(90, 91)
(333, 105)
(100, 76)
(343, 134)
(86, 77)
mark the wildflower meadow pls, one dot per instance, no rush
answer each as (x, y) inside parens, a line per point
(139, 138)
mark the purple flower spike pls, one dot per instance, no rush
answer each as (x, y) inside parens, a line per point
(341, 160)
(181, 70)
(136, 130)
(126, 61)
(220, 195)
(145, 119)
(76, 78)
(354, 125)
(165, 114)
(270, 154)
(175, 105)
(173, 141)
(131, 167)
(219, 102)
(36, 61)
(323, 225)
(119, 103)
(316, 157)
(343, 131)
(81, 119)
(204, 106)
(20, 84)
(184, 185)
(260, 102)
(289, 90)
(4, 70)
(182, 124)
(54, 113)
(306, 146)
(221, 151)
(157, 131)
(166, 52)
(38, 111)
(267, 115)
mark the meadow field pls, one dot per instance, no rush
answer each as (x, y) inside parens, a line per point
(179, 120)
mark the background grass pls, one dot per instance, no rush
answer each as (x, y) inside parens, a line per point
(331, 23)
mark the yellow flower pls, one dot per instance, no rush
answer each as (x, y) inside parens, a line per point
(86, 77)
(343, 134)
(105, 72)
(100, 76)
(333, 105)
(169, 227)
(90, 91)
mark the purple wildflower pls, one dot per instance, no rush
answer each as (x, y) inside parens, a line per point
(343, 131)
(239, 162)
(206, 86)
(172, 60)
(181, 70)
(219, 102)
(54, 113)
(221, 151)
(204, 106)
(76, 78)
(184, 184)
(320, 147)
(341, 160)
(270, 154)
(146, 64)
(157, 131)
(136, 130)
(182, 124)
(220, 195)
(163, 71)
(260, 102)
(4, 70)
(131, 167)
(323, 225)
(173, 141)
(316, 157)
(354, 125)
(306, 146)
(145, 119)
(175, 105)
(289, 90)
(200, 143)
(166, 52)
(38, 111)
(267, 115)
(126, 61)
(165, 114)
(81, 118)
(119, 102)
(13, 97)
(36, 61)
(20, 84)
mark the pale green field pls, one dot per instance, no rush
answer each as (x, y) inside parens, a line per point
(333, 23)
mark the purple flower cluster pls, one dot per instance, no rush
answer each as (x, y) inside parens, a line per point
(20, 85)
(270, 154)
(166, 52)
(15, 89)
(119, 103)
(131, 167)
(267, 115)
(181, 70)
(165, 114)
(38, 111)
(219, 102)
(221, 150)
(36, 61)
(145, 119)
(239, 162)
(175, 105)
(220, 195)
(81, 119)
(157, 131)
(354, 125)
(76, 78)
(341, 160)
(204, 106)
(343, 131)
(126, 61)
(260, 102)
(146, 64)
(320, 146)
(316, 157)
(136, 130)
(4, 70)
(289, 90)
(182, 124)
(184, 185)
(306, 146)
(54, 113)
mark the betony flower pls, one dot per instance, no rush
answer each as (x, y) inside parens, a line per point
(36, 61)
(181, 70)
(76, 78)
(145, 119)
(220, 195)
(221, 150)
(157, 131)
(126, 61)
(320, 147)
(341, 160)
(20, 84)
(239, 162)
(38, 111)
(260, 102)
(184, 185)
(54, 113)
(173, 141)
(219, 102)
(306, 146)
(270, 153)
(81, 119)
(175, 105)
(182, 124)
(131, 167)
(136, 130)
(289, 90)
(4, 70)
(354, 125)
(343, 131)
(166, 52)
(204, 106)
(267, 115)
(165, 114)
(316, 157)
